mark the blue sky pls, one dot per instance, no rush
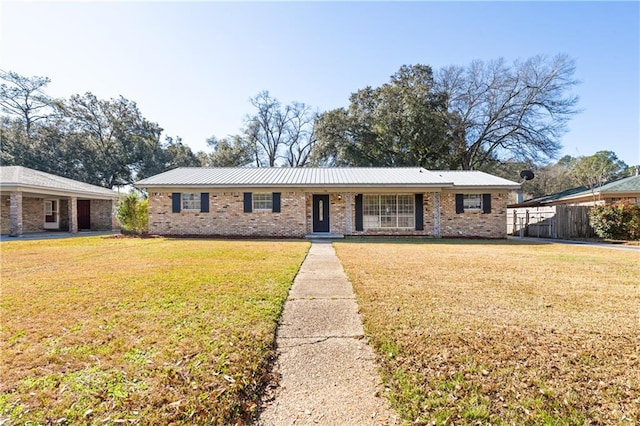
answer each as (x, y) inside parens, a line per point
(192, 67)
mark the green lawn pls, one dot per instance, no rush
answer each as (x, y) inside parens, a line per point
(157, 331)
(476, 332)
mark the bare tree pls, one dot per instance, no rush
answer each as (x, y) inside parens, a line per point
(267, 129)
(277, 133)
(518, 111)
(24, 97)
(301, 137)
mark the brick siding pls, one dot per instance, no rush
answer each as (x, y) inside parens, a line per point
(5, 214)
(226, 217)
(474, 224)
(103, 215)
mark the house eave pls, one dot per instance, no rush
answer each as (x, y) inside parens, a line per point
(46, 191)
(329, 188)
(475, 188)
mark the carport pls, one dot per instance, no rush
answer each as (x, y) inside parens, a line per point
(34, 201)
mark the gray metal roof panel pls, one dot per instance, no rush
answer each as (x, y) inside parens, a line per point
(336, 177)
(472, 178)
(295, 177)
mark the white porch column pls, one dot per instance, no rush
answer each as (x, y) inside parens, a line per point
(73, 215)
(15, 214)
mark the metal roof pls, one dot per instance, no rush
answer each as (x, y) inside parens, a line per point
(471, 179)
(324, 177)
(29, 180)
(627, 185)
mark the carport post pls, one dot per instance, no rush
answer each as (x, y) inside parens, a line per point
(73, 215)
(15, 214)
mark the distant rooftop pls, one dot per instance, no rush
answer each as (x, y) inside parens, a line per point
(26, 179)
(326, 177)
(626, 185)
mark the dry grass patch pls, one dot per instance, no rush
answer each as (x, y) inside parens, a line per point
(500, 332)
(152, 331)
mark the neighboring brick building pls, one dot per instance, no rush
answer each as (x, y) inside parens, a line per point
(297, 202)
(34, 201)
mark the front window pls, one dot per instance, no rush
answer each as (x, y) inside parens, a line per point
(472, 202)
(191, 201)
(262, 201)
(388, 211)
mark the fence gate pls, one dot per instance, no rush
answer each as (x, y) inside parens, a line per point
(563, 222)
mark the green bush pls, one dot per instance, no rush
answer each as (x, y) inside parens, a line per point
(133, 214)
(619, 221)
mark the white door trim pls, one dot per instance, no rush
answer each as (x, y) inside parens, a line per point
(52, 208)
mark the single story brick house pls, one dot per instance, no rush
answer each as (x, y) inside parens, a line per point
(35, 201)
(299, 202)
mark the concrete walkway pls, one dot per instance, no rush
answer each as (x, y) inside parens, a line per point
(327, 369)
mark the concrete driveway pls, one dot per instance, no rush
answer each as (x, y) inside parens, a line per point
(53, 235)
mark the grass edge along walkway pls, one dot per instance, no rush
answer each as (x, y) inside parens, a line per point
(140, 330)
(327, 369)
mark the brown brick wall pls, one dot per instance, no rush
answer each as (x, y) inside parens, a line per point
(32, 214)
(474, 224)
(64, 215)
(103, 216)
(226, 217)
(5, 214)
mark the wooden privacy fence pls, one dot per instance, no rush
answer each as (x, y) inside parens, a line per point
(563, 222)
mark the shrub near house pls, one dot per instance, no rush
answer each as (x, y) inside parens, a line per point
(133, 214)
(618, 221)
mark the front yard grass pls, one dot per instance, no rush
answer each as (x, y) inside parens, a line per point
(477, 332)
(151, 331)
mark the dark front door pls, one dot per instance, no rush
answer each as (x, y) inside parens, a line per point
(320, 213)
(84, 214)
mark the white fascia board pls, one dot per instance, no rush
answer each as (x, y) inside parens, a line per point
(39, 190)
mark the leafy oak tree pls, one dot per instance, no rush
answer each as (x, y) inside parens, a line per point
(110, 138)
(103, 142)
(227, 152)
(400, 123)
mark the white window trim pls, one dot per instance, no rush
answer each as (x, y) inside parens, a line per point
(471, 209)
(374, 221)
(48, 207)
(55, 212)
(189, 204)
(255, 207)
